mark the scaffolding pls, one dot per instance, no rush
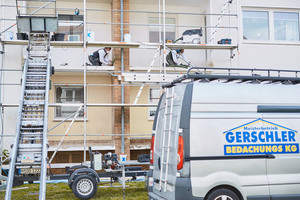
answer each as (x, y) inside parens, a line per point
(126, 78)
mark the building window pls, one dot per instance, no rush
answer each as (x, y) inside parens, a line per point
(68, 95)
(286, 26)
(256, 25)
(154, 30)
(154, 96)
(71, 25)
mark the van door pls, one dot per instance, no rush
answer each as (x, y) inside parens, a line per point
(284, 170)
(166, 139)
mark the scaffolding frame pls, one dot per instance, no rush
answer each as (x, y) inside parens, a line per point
(85, 44)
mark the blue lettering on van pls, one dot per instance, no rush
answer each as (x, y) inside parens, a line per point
(261, 149)
(260, 137)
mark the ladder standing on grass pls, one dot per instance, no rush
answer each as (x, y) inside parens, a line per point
(30, 145)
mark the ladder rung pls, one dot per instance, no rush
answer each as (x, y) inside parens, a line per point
(32, 123)
(35, 91)
(30, 146)
(34, 102)
(31, 128)
(32, 134)
(29, 163)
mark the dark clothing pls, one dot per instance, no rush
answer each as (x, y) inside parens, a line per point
(94, 61)
(169, 59)
(171, 63)
(99, 57)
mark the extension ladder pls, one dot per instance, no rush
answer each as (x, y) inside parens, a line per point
(167, 131)
(148, 71)
(226, 4)
(29, 153)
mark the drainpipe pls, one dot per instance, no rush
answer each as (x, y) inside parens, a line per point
(122, 85)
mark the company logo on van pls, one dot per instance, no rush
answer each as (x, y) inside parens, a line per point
(260, 137)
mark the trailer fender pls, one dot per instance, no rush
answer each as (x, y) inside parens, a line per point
(88, 171)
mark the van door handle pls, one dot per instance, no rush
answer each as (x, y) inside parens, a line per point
(159, 163)
(270, 156)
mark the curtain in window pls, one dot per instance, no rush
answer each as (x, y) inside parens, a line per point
(286, 26)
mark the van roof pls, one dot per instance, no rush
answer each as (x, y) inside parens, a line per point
(243, 75)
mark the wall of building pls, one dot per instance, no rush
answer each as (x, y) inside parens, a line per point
(256, 54)
(99, 119)
(253, 54)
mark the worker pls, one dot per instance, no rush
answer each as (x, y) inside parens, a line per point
(100, 57)
(174, 56)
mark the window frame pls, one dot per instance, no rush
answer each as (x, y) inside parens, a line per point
(55, 118)
(167, 16)
(271, 12)
(71, 21)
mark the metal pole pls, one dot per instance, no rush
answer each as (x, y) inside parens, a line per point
(133, 11)
(66, 134)
(64, 120)
(159, 21)
(42, 192)
(122, 86)
(164, 38)
(13, 156)
(37, 10)
(2, 109)
(84, 81)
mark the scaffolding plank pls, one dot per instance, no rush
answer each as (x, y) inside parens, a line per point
(66, 43)
(114, 44)
(149, 78)
(202, 46)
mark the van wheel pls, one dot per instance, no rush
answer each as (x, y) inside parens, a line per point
(222, 194)
(84, 187)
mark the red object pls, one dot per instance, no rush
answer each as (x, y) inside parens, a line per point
(180, 153)
(152, 149)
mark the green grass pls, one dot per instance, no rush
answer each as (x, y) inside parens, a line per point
(59, 191)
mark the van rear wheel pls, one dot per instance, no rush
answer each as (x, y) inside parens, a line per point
(222, 194)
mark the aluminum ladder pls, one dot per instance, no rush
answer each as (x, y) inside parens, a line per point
(226, 4)
(29, 153)
(165, 155)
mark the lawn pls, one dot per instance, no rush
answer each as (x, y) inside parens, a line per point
(58, 191)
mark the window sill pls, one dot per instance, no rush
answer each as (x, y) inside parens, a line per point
(68, 120)
(262, 42)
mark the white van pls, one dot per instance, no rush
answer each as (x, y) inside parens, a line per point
(228, 137)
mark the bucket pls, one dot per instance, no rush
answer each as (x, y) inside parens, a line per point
(59, 37)
(22, 36)
(127, 37)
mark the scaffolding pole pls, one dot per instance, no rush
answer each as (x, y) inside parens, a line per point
(66, 134)
(130, 11)
(164, 31)
(84, 79)
(122, 86)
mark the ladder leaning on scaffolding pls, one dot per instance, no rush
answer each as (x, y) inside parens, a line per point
(29, 153)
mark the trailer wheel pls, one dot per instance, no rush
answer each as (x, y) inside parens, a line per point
(84, 187)
(222, 194)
